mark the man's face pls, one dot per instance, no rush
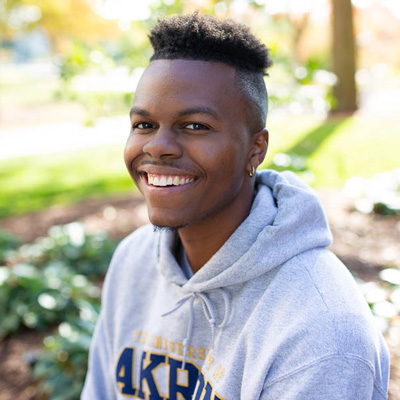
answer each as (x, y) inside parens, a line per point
(188, 150)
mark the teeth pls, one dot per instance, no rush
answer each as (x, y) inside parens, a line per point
(167, 180)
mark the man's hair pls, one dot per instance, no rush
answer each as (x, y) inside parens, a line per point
(203, 37)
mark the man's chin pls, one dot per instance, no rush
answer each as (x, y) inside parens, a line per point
(167, 227)
(157, 228)
(163, 224)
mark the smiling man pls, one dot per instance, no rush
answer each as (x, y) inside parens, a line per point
(231, 292)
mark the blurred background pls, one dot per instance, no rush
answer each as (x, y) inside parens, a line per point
(68, 72)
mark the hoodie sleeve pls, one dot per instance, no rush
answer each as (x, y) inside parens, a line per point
(337, 377)
(99, 382)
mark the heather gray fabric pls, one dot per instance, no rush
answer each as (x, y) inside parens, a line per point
(273, 315)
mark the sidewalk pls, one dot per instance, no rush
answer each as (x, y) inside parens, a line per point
(60, 137)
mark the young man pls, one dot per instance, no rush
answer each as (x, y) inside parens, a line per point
(234, 295)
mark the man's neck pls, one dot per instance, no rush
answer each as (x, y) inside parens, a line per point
(203, 239)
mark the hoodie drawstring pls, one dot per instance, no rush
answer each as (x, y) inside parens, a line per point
(209, 313)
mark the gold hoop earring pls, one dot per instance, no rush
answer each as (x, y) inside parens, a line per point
(252, 172)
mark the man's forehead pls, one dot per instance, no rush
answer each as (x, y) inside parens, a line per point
(187, 78)
(186, 87)
(192, 69)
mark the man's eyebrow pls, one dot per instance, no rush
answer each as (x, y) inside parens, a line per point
(187, 111)
(139, 111)
(199, 110)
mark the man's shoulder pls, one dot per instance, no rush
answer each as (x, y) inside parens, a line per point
(332, 306)
(320, 278)
(316, 293)
(331, 279)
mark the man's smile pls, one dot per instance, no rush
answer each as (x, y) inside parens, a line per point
(156, 176)
(168, 180)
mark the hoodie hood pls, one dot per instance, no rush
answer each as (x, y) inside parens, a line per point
(286, 219)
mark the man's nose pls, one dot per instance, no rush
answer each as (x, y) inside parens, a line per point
(163, 144)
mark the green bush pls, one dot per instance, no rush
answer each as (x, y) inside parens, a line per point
(38, 298)
(47, 282)
(62, 366)
(89, 255)
(8, 243)
(384, 298)
(75, 62)
(380, 194)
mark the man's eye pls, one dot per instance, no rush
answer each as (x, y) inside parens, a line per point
(142, 125)
(197, 127)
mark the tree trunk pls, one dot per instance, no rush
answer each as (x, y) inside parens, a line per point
(343, 52)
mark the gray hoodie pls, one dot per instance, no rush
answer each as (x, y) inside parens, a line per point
(272, 315)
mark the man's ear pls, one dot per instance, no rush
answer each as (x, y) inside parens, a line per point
(259, 148)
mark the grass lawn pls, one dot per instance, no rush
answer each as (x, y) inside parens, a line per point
(337, 149)
(334, 150)
(35, 183)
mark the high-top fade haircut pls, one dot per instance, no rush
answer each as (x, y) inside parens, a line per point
(206, 38)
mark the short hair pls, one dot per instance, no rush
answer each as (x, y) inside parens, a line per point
(204, 37)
